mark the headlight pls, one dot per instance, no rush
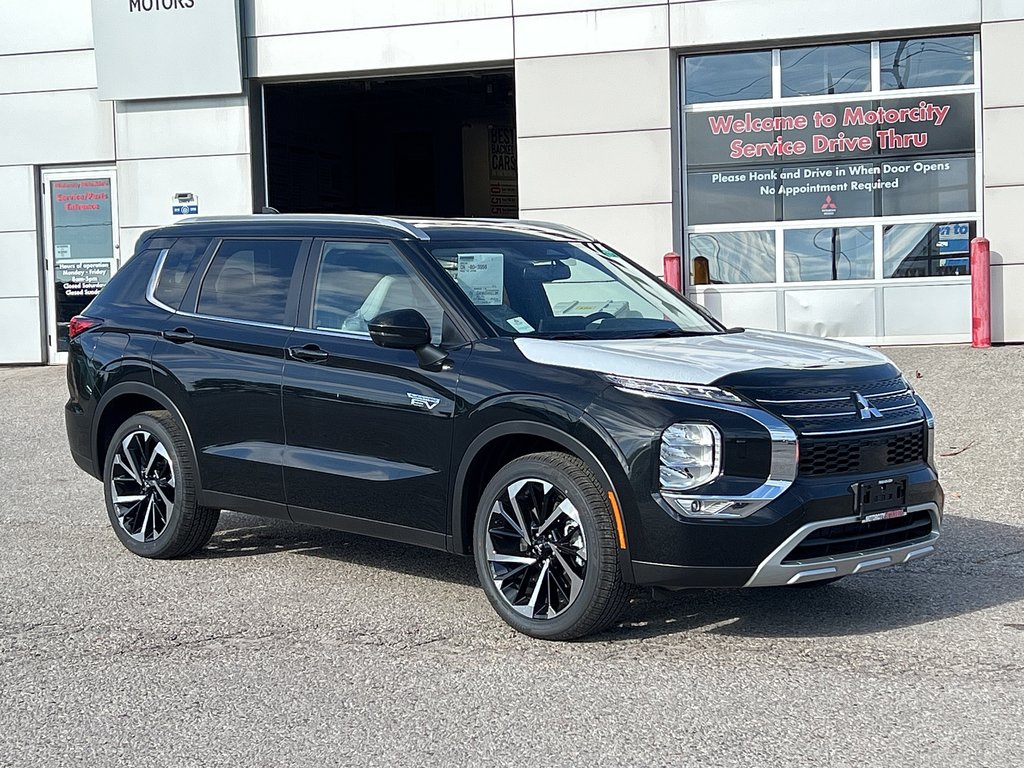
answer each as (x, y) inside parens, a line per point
(691, 455)
(671, 389)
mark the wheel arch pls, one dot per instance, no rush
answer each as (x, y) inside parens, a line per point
(493, 448)
(121, 402)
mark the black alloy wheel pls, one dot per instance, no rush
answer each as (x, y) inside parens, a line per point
(546, 548)
(150, 484)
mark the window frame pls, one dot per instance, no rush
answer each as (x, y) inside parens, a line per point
(975, 217)
(199, 267)
(189, 304)
(409, 258)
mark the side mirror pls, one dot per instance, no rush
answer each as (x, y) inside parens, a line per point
(406, 329)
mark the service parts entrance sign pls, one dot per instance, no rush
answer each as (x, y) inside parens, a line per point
(836, 159)
(153, 49)
(82, 220)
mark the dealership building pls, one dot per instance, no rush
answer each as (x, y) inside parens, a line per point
(820, 167)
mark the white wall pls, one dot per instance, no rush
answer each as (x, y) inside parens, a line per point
(49, 114)
(594, 109)
(1002, 97)
(180, 145)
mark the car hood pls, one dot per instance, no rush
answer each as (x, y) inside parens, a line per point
(699, 359)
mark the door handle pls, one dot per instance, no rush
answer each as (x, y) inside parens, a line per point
(179, 336)
(309, 353)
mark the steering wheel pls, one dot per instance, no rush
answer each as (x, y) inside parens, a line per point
(593, 317)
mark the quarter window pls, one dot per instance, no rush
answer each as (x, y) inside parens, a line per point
(178, 267)
(250, 280)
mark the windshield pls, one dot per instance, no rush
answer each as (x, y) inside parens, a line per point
(568, 290)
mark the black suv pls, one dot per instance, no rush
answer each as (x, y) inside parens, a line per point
(514, 390)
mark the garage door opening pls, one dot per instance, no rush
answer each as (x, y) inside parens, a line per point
(442, 145)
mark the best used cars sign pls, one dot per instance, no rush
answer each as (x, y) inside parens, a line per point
(152, 49)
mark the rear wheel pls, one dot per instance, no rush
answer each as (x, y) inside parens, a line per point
(545, 548)
(149, 479)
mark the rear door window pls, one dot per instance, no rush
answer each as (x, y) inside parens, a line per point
(250, 280)
(178, 268)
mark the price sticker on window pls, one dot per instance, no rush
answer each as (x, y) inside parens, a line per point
(482, 277)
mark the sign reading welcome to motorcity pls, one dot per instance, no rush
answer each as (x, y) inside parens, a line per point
(847, 159)
(151, 49)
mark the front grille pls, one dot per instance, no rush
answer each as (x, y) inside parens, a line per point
(861, 453)
(851, 538)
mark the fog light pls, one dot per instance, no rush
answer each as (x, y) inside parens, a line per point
(691, 455)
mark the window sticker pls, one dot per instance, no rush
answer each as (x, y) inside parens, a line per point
(520, 325)
(482, 277)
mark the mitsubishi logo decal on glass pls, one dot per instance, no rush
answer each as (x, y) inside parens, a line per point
(865, 409)
(422, 401)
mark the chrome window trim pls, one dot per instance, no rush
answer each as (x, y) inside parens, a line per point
(152, 299)
(253, 323)
(154, 278)
(771, 572)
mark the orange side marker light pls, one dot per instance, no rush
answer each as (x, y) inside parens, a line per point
(617, 514)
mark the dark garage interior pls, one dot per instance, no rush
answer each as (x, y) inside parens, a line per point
(439, 145)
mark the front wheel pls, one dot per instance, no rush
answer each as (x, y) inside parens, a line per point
(149, 479)
(545, 547)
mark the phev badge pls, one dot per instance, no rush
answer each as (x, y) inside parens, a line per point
(423, 401)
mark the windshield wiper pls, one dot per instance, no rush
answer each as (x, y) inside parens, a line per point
(563, 336)
(667, 333)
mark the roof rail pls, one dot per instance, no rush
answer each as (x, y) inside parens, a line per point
(337, 218)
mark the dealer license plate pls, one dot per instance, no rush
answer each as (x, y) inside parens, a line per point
(880, 499)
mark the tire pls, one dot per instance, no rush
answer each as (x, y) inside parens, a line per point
(551, 571)
(149, 481)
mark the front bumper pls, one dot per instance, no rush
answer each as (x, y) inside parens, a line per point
(762, 550)
(779, 570)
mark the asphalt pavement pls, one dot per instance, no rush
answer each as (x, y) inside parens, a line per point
(285, 645)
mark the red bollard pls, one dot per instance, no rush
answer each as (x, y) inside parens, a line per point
(981, 306)
(981, 299)
(673, 265)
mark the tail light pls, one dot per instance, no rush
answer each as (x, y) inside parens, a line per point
(80, 324)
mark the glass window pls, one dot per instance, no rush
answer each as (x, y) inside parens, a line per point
(583, 290)
(250, 280)
(927, 62)
(927, 250)
(838, 253)
(928, 185)
(732, 257)
(728, 77)
(826, 69)
(179, 265)
(358, 281)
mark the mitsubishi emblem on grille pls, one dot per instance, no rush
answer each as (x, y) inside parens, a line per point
(865, 409)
